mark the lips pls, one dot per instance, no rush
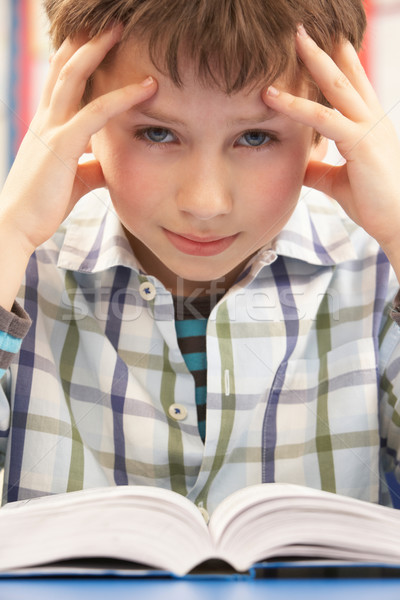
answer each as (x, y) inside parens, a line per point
(200, 246)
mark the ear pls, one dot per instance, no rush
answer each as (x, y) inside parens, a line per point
(319, 150)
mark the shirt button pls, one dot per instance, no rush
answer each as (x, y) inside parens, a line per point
(147, 291)
(177, 412)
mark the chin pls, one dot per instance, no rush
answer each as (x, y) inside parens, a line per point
(205, 277)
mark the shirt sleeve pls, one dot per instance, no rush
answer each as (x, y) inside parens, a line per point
(390, 389)
(395, 311)
(14, 326)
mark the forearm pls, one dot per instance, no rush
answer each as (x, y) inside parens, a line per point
(14, 257)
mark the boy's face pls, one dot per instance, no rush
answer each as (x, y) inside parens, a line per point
(199, 179)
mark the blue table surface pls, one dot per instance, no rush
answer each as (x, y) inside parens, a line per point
(154, 589)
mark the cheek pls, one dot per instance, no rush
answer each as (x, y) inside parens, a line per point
(136, 203)
(269, 216)
(273, 193)
(274, 185)
(134, 187)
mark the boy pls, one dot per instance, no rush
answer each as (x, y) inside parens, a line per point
(204, 329)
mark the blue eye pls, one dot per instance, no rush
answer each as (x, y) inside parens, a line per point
(158, 135)
(254, 139)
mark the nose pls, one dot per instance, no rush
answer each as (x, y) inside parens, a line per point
(205, 190)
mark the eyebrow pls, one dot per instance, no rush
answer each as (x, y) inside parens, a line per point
(266, 115)
(158, 116)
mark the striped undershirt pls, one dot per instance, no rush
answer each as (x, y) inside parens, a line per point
(191, 316)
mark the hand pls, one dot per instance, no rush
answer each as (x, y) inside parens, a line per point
(46, 181)
(367, 185)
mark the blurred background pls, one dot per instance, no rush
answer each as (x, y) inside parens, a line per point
(24, 51)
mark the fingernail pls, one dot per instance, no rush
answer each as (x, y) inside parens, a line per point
(272, 91)
(301, 31)
(147, 82)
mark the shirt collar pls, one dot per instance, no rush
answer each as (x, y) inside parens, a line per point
(94, 239)
(317, 233)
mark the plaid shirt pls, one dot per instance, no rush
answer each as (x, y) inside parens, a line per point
(301, 354)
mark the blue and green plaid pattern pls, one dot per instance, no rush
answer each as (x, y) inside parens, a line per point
(302, 379)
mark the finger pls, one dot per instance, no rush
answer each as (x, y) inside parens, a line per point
(60, 58)
(348, 61)
(326, 121)
(73, 76)
(94, 116)
(333, 83)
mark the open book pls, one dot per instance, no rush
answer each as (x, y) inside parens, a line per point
(161, 529)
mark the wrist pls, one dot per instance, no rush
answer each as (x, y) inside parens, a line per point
(15, 252)
(13, 237)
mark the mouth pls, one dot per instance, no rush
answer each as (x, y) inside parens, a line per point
(200, 246)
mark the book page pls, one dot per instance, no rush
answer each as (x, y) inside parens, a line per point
(277, 520)
(146, 525)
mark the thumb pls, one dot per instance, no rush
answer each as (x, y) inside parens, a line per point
(89, 176)
(321, 176)
(330, 180)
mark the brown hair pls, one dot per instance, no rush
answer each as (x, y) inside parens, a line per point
(233, 43)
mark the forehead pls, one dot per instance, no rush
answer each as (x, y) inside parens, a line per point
(192, 102)
(195, 103)
(131, 62)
